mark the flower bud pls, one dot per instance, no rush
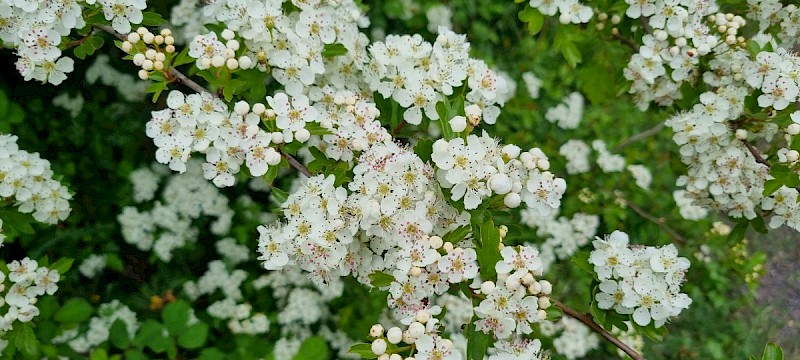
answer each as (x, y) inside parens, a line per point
(407, 338)
(170, 49)
(379, 346)
(448, 247)
(416, 329)
(143, 74)
(436, 242)
(134, 37)
(546, 286)
(534, 288)
(158, 39)
(487, 287)
(259, 108)
(138, 59)
(277, 138)
(394, 335)
(500, 183)
(544, 302)
(158, 65)
(161, 57)
(127, 46)
(473, 113)
(217, 61)
(615, 19)
(458, 123)
(232, 64)
(148, 38)
(376, 330)
(395, 357)
(415, 271)
(511, 151)
(302, 135)
(792, 156)
(423, 316)
(241, 108)
(142, 30)
(741, 134)
(512, 200)
(793, 129)
(245, 62)
(383, 357)
(169, 40)
(227, 34)
(205, 62)
(232, 44)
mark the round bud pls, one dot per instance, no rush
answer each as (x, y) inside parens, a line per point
(169, 40)
(259, 108)
(436, 242)
(729, 16)
(615, 19)
(376, 330)
(512, 200)
(500, 183)
(142, 30)
(232, 44)
(170, 49)
(681, 41)
(534, 288)
(273, 157)
(217, 61)
(527, 279)
(134, 37)
(165, 32)
(564, 18)
(730, 40)
(722, 28)
(661, 35)
(512, 282)
(487, 287)
(415, 271)
(158, 39)
(741, 134)
(150, 54)
(674, 50)
(602, 16)
(541, 314)
(416, 329)
(458, 123)
(614, 31)
(423, 316)
(407, 338)
(448, 247)
(269, 113)
(394, 335)
(379, 346)
(792, 156)
(205, 63)
(503, 230)
(793, 129)
(395, 357)
(138, 59)
(148, 38)
(547, 287)
(544, 302)
(245, 62)
(511, 151)
(143, 75)
(158, 65)
(302, 135)
(127, 46)
(600, 26)
(147, 64)
(241, 108)
(543, 164)
(277, 137)
(232, 64)
(227, 34)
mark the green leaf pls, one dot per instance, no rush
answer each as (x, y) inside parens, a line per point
(279, 195)
(572, 54)
(176, 316)
(150, 18)
(152, 335)
(183, 58)
(194, 336)
(489, 250)
(772, 352)
(25, 339)
(380, 279)
(771, 186)
(156, 88)
(739, 231)
(317, 129)
(313, 348)
(118, 335)
(533, 18)
(135, 355)
(457, 234)
(444, 116)
(581, 259)
(98, 354)
(753, 48)
(62, 265)
(211, 354)
(363, 350)
(477, 342)
(424, 149)
(75, 310)
(333, 50)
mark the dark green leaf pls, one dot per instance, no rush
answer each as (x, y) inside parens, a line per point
(176, 316)
(62, 265)
(363, 350)
(150, 18)
(118, 335)
(194, 336)
(333, 50)
(380, 279)
(313, 348)
(75, 310)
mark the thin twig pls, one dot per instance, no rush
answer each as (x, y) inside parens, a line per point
(658, 221)
(631, 44)
(647, 133)
(759, 159)
(296, 164)
(588, 321)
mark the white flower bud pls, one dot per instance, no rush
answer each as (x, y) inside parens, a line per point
(512, 282)
(615, 19)
(546, 286)
(170, 49)
(793, 129)
(161, 57)
(205, 62)
(259, 108)
(741, 134)
(661, 35)
(416, 329)
(792, 156)
(158, 65)
(217, 61)
(415, 271)
(602, 16)
(407, 338)
(448, 247)
(158, 39)
(147, 65)
(169, 40)
(148, 38)
(458, 123)
(232, 45)
(534, 288)
(473, 113)
(229, 54)
(543, 164)
(273, 157)
(127, 46)
(232, 64)
(376, 330)
(245, 62)
(730, 40)
(487, 287)
(564, 18)
(241, 108)
(500, 183)
(436, 242)
(394, 335)
(150, 54)
(302, 135)
(527, 279)
(379, 346)
(395, 357)
(134, 37)
(138, 59)
(680, 42)
(423, 316)
(541, 314)
(383, 357)
(142, 30)
(350, 100)
(143, 74)
(277, 137)
(512, 200)
(544, 302)
(227, 34)
(511, 151)
(269, 113)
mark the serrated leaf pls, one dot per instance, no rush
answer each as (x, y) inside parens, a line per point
(278, 195)
(581, 259)
(194, 336)
(156, 88)
(150, 18)
(572, 54)
(772, 352)
(75, 310)
(62, 265)
(183, 58)
(333, 50)
(739, 231)
(771, 186)
(489, 250)
(457, 234)
(380, 279)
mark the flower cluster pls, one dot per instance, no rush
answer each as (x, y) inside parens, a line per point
(101, 71)
(210, 52)
(28, 180)
(149, 51)
(570, 11)
(476, 168)
(28, 282)
(84, 340)
(169, 224)
(568, 113)
(417, 75)
(574, 339)
(640, 280)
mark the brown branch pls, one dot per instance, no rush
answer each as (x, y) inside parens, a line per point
(759, 159)
(81, 40)
(296, 164)
(658, 221)
(647, 133)
(588, 321)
